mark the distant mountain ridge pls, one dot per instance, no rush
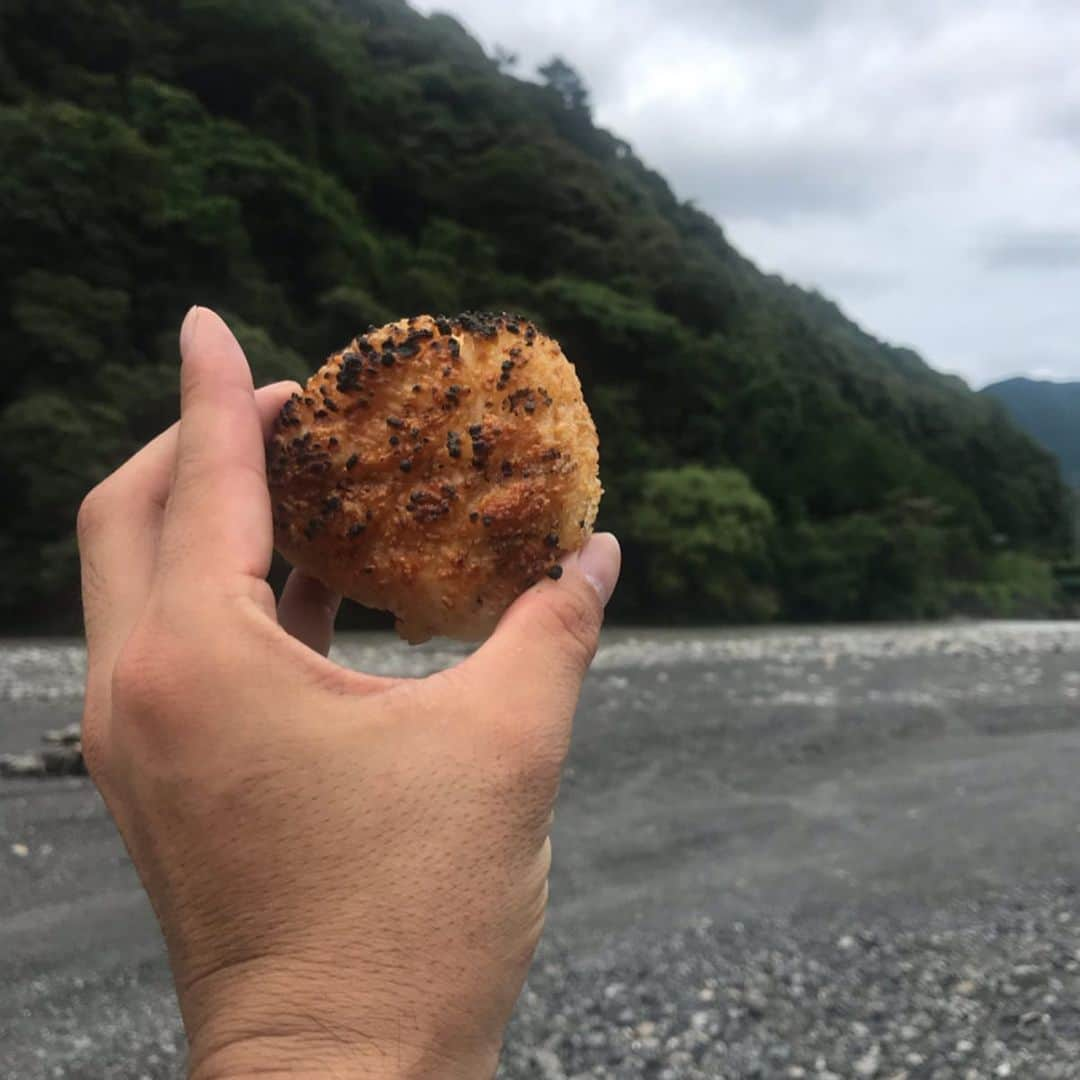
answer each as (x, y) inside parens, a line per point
(1050, 413)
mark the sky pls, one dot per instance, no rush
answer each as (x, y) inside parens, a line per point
(916, 161)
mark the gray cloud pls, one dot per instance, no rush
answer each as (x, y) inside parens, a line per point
(779, 181)
(867, 147)
(1033, 249)
(858, 281)
(786, 17)
(1064, 123)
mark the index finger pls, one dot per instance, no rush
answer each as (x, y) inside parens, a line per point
(218, 519)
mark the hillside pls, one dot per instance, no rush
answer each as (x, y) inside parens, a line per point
(312, 166)
(1050, 413)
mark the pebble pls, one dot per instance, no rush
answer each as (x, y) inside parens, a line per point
(982, 991)
(775, 999)
(869, 1064)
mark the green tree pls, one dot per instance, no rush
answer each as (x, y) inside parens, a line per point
(312, 166)
(708, 533)
(567, 83)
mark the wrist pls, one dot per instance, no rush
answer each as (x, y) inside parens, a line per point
(316, 1056)
(267, 1026)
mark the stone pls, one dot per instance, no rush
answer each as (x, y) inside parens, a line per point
(1027, 974)
(67, 736)
(549, 1065)
(64, 761)
(756, 1002)
(21, 765)
(869, 1064)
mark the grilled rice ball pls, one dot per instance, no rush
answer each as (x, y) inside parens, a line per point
(436, 468)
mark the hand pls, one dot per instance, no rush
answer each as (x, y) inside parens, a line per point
(350, 871)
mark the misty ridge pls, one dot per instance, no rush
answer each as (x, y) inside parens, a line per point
(312, 167)
(1047, 411)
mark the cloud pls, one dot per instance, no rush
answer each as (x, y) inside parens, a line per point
(856, 281)
(780, 179)
(870, 148)
(787, 18)
(1033, 249)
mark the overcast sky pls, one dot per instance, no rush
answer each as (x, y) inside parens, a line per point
(917, 161)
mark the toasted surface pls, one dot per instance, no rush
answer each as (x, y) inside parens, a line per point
(436, 468)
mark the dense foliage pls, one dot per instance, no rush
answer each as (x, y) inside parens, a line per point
(311, 166)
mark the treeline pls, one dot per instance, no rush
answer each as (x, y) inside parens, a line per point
(311, 166)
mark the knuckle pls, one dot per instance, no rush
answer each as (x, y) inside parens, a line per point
(524, 796)
(173, 664)
(93, 513)
(140, 672)
(154, 667)
(93, 750)
(529, 755)
(574, 622)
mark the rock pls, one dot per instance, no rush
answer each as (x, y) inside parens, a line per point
(62, 756)
(549, 1065)
(67, 736)
(64, 761)
(1027, 974)
(20, 851)
(900, 1002)
(869, 1064)
(20, 765)
(756, 1003)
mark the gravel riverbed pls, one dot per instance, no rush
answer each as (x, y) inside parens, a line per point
(780, 853)
(992, 990)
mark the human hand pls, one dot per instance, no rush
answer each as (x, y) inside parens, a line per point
(350, 871)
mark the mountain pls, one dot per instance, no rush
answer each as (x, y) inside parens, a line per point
(312, 166)
(1050, 413)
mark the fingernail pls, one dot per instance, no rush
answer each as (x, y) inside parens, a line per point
(187, 329)
(600, 560)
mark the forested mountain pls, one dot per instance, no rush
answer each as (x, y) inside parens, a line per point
(1050, 413)
(312, 166)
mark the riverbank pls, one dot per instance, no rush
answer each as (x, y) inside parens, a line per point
(834, 851)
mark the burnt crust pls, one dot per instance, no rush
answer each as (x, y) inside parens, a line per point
(436, 467)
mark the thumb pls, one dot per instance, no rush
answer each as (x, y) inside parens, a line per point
(539, 653)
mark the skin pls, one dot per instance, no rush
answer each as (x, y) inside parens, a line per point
(350, 871)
